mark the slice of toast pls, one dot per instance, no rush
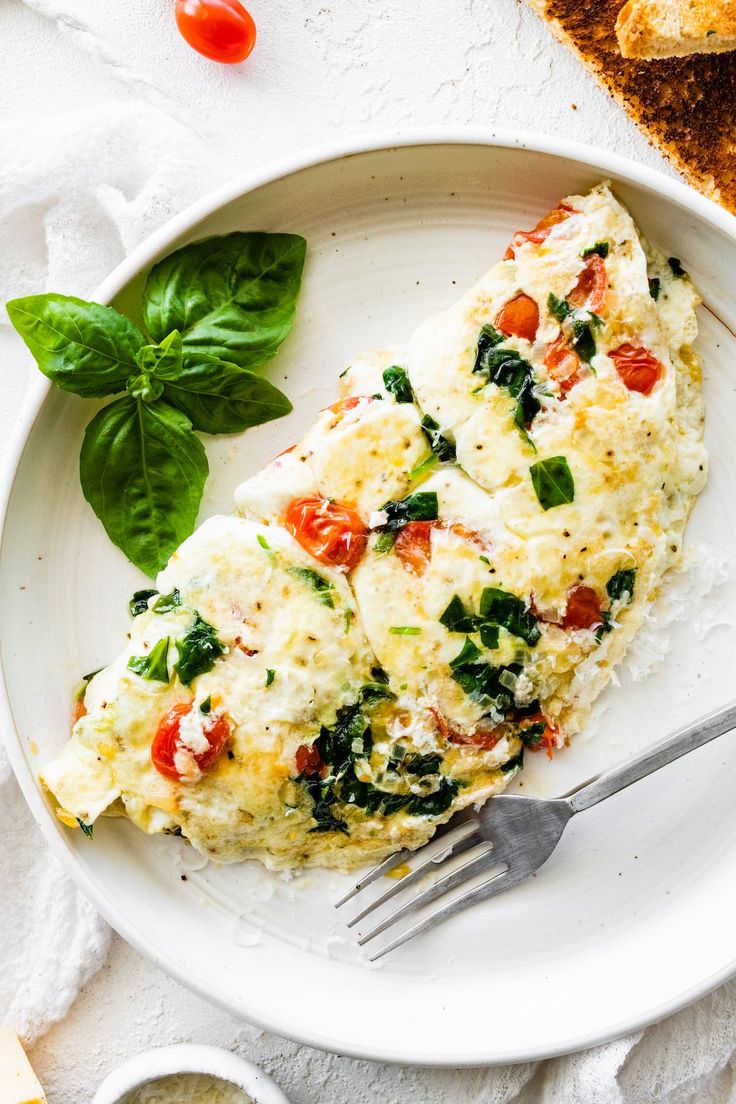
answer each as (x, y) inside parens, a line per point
(685, 106)
(675, 28)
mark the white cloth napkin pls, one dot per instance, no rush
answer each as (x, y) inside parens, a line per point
(75, 195)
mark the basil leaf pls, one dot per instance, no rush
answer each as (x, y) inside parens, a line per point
(511, 372)
(198, 649)
(558, 308)
(315, 582)
(82, 347)
(142, 471)
(155, 665)
(553, 482)
(457, 619)
(219, 397)
(396, 381)
(162, 360)
(138, 604)
(621, 585)
(144, 387)
(501, 608)
(232, 297)
(655, 285)
(602, 248)
(443, 449)
(420, 506)
(165, 603)
(489, 636)
(467, 654)
(583, 341)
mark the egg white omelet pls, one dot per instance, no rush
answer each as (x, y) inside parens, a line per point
(439, 577)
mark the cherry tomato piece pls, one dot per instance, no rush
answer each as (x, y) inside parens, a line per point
(562, 363)
(541, 231)
(344, 405)
(638, 368)
(483, 738)
(519, 317)
(79, 710)
(309, 761)
(167, 742)
(332, 533)
(592, 286)
(548, 740)
(413, 545)
(583, 609)
(221, 30)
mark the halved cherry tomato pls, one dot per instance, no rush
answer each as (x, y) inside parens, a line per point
(592, 287)
(519, 317)
(548, 739)
(309, 762)
(638, 368)
(332, 533)
(221, 30)
(167, 743)
(413, 545)
(562, 363)
(583, 609)
(541, 231)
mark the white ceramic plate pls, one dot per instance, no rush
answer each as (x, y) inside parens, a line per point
(635, 914)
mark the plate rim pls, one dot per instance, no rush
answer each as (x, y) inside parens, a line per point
(140, 257)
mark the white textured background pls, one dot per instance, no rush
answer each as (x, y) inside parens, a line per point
(322, 68)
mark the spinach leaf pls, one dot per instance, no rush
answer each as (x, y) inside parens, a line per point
(335, 745)
(321, 811)
(531, 736)
(514, 764)
(488, 339)
(315, 582)
(219, 397)
(655, 285)
(487, 684)
(676, 267)
(467, 654)
(509, 371)
(422, 765)
(198, 650)
(621, 585)
(489, 636)
(372, 692)
(553, 482)
(505, 609)
(232, 297)
(457, 618)
(434, 804)
(602, 248)
(82, 347)
(165, 603)
(420, 506)
(443, 449)
(396, 381)
(155, 665)
(138, 604)
(143, 471)
(205, 707)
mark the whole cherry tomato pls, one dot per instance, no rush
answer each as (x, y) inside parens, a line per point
(221, 30)
(332, 533)
(519, 317)
(167, 742)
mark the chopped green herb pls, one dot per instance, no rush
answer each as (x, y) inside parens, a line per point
(532, 736)
(655, 287)
(315, 582)
(270, 675)
(348, 619)
(154, 666)
(509, 371)
(457, 618)
(443, 449)
(482, 683)
(263, 542)
(419, 506)
(138, 604)
(372, 692)
(553, 482)
(467, 654)
(709, 33)
(502, 608)
(198, 651)
(205, 707)
(583, 341)
(167, 602)
(602, 248)
(484, 559)
(560, 309)
(423, 467)
(422, 765)
(405, 630)
(514, 764)
(489, 636)
(676, 267)
(621, 585)
(86, 828)
(384, 542)
(396, 381)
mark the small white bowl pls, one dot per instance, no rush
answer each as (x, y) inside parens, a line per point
(187, 1058)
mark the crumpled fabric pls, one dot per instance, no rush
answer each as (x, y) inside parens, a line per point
(76, 194)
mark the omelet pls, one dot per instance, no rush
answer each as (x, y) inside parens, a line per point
(438, 579)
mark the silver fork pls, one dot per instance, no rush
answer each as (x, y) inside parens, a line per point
(507, 840)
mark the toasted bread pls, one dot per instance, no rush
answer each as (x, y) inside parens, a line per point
(685, 106)
(675, 28)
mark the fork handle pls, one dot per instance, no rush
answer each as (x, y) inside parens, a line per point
(687, 739)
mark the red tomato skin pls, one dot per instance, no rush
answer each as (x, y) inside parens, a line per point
(483, 738)
(591, 289)
(413, 545)
(638, 368)
(166, 742)
(562, 363)
(519, 317)
(541, 231)
(79, 710)
(583, 609)
(331, 532)
(548, 741)
(309, 761)
(221, 30)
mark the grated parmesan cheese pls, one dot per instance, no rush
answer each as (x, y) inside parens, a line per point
(187, 1088)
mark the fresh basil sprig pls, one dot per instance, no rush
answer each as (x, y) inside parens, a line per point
(213, 311)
